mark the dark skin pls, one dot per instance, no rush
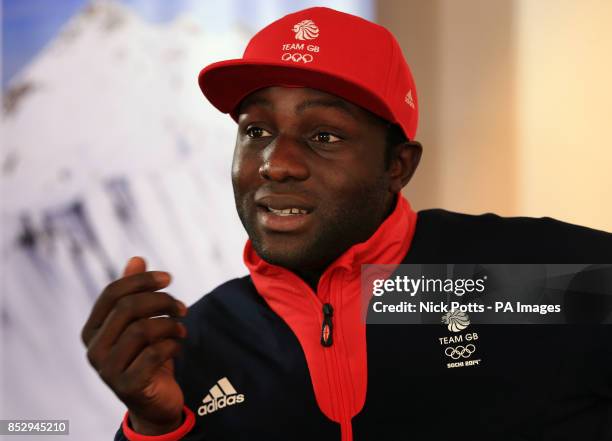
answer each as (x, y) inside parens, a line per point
(299, 147)
(310, 181)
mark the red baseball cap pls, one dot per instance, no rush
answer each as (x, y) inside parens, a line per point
(323, 49)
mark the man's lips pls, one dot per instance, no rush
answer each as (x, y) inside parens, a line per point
(283, 213)
(283, 202)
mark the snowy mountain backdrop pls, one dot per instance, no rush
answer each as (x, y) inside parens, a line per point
(108, 150)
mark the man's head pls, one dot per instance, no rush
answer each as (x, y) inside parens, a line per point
(326, 106)
(321, 160)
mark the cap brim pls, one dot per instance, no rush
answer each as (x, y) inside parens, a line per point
(227, 83)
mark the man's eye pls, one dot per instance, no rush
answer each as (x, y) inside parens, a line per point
(325, 138)
(257, 132)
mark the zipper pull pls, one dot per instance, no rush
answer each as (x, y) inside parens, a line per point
(326, 330)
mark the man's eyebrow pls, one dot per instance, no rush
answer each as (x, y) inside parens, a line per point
(334, 103)
(255, 101)
(339, 104)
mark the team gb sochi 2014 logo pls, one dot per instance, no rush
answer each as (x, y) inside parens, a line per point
(306, 30)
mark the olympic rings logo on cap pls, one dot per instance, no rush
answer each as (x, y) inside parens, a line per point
(297, 57)
(460, 351)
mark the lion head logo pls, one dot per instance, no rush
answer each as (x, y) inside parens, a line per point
(306, 30)
(456, 320)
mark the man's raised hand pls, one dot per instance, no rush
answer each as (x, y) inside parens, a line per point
(132, 352)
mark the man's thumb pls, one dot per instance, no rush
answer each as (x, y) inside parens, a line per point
(134, 266)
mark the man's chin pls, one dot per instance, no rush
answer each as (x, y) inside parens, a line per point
(293, 255)
(287, 258)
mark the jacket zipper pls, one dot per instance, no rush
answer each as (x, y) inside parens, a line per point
(327, 328)
(333, 364)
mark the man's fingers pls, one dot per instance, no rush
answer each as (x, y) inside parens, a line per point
(134, 266)
(150, 360)
(129, 309)
(147, 281)
(138, 336)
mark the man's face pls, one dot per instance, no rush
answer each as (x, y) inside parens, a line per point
(309, 175)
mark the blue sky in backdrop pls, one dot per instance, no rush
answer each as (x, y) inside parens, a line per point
(27, 25)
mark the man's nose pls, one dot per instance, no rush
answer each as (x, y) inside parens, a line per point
(284, 159)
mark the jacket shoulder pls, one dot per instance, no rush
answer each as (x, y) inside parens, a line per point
(444, 234)
(237, 287)
(227, 301)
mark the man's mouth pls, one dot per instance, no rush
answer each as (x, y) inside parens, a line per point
(283, 213)
(287, 211)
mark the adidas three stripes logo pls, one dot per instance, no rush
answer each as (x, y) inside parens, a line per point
(220, 395)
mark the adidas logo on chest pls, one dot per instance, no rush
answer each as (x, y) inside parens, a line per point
(219, 396)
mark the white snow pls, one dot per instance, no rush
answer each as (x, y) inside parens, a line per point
(112, 152)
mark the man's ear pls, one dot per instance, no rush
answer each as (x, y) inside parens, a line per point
(406, 158)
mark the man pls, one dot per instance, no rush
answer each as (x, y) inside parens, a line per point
(327, 111)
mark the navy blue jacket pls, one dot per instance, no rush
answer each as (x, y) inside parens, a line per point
(549, 382)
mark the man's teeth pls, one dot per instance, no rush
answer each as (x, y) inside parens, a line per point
(287, 211)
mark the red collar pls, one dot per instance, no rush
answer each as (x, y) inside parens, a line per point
(388, 245)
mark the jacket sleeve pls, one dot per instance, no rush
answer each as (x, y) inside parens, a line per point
(125, 432)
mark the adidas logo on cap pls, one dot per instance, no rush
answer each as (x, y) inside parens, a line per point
(220, 395)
